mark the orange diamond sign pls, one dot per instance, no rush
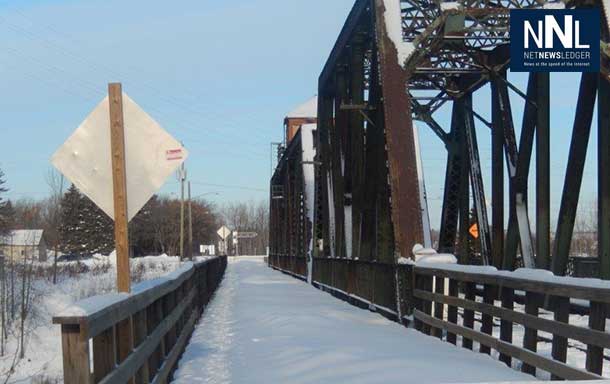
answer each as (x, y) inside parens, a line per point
(474, 230)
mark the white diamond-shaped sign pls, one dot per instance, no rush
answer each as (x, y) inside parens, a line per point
(224, 232)
(151, 155)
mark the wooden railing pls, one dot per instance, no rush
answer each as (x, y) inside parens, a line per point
(441, 292)
(137, 338)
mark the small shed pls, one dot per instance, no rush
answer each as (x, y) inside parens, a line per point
(24, 244)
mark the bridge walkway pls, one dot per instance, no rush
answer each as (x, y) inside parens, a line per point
(265, 327)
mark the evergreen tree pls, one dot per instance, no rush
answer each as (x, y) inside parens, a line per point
(71, 226)
(85, 229)
(98, 229)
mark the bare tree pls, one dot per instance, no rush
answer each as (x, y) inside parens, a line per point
(52, 213)
(249, 216)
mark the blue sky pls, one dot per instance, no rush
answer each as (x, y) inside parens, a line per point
(218, 75)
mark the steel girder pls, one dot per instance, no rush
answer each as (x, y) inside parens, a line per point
(289, 225)
(367, 202)
(367, 153)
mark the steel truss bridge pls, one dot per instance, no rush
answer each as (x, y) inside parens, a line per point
(371, 90)
(400, 61)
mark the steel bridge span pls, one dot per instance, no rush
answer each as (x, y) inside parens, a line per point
(400, 61)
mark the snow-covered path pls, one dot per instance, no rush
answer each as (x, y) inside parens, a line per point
(265, 327)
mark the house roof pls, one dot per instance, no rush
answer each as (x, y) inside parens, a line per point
(22, 237)
(305, 110)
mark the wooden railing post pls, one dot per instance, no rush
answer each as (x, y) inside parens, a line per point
(418, 304)
(140, 327)
(104, 354)
(124, 338)
(530, 336)
(468, 322)
(152, 320)
(560, 344)
(486, 319)
(75, 348)
(439, 307)
(507, 298)
(427, 284)
(597, 321)
(452, 311)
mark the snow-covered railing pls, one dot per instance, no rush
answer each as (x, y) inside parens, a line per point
(137, 337)
(442, 291)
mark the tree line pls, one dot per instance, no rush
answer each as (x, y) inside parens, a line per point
(75, 226)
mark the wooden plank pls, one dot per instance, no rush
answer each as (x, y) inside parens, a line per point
(595, 354)
(129, 367)
(584, 335)
(172, 358)
(542, 287)
(555, 367)
(560, 342)
(75, 355)
(119, 183)
(104, 356)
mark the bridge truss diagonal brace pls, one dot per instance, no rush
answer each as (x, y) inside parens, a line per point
(402, 159)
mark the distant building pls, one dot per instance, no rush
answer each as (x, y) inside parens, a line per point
(24, 244)
(306, 113)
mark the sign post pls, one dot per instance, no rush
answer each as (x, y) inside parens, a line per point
(119, 182)
(223, 232)
(119, 139)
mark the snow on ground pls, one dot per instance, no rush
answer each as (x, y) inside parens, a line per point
(265, 327)
(43, 358)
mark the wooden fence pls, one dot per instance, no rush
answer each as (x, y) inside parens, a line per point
(441, 292)
(137, 338)
(461, 304)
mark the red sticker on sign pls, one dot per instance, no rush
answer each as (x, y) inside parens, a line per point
(174, 154)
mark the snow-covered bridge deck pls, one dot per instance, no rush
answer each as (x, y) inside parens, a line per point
(265, 327)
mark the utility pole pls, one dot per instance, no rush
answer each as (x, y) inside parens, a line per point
(190, 250)
(182, 178)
